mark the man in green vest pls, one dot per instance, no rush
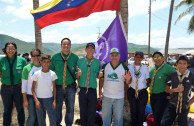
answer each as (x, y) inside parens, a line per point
(64, 65)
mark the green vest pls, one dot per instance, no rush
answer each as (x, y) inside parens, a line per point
(58, 67)
(159, 85)
(94, 71)
(16, 71)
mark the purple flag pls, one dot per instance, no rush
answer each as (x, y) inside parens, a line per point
(113, 37)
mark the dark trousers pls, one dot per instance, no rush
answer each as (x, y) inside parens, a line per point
(68, 95)
(137, 106)
(87, 104)
(158, 104)
(170, 115)
(10, 95)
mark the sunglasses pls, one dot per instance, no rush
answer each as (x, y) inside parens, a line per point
(11, 49)
(36, 55)
(159, 57)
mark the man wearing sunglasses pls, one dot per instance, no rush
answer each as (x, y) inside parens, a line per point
(158, 75)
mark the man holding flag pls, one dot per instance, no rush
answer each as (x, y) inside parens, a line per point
(111, 50)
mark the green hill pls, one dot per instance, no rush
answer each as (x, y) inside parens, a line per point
(144, 48)
(22, 46)
(52, 48)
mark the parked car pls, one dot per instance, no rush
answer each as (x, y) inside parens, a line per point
(131, 61)
(171, 61)
(145, 62)
(2, 56)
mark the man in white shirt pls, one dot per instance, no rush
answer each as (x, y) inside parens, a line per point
(114, 78)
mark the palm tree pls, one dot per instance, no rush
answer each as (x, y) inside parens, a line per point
(38, 37)
(190, 9)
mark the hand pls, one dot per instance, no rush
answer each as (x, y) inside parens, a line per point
(54, 105)
(100, 73)
(127, 76)
(180, 88)
(25, 103)
(79, 73)
(77, 90)
(38, 105)
(101, 95)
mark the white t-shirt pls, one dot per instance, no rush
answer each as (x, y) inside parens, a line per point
(114, 81)
(44, 83)
(27, 74)
(144, 74)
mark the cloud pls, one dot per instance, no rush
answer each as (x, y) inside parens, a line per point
(12, 21)
(137, 8)
(7, 1)
(186, 18)
(182, 42)
(56, 36)
(10, 9)
(1, 22)
(24, 9)
(160, 4)
(158, 39)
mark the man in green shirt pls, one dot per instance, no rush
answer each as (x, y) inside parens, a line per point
(158, 75)
(64, 65)
(88, 71)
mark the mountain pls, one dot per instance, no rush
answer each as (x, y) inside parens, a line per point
(52, 48)
(144, 48)
(22, 46)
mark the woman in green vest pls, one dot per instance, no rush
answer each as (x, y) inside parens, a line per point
(11, 72)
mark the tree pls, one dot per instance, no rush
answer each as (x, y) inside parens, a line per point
(190, 9)
(124, 16)
(38, 37)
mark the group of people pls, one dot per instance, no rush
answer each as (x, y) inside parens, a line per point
(43, 85)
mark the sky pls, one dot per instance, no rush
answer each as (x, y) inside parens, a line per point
(16, 21)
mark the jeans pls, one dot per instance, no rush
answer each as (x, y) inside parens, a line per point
(158, 104)
(10, 95)
(67, 94)
(112, 106)
(137, 106)
(87, 104)
(170, 115)
(46, 105)
(191, 70)
(32, 118)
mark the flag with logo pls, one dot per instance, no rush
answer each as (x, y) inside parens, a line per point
(113, 37)
(68, 10)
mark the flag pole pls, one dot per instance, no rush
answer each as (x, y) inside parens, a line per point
(149, 30)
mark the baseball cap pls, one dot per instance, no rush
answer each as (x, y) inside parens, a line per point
(114, 50)
(90, 44)
(139, 53)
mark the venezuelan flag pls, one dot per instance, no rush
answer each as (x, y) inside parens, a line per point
(68, 10)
